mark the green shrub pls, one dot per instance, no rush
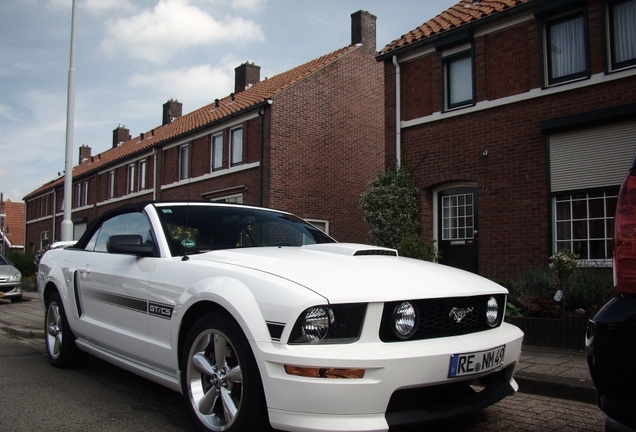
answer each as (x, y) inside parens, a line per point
(390, 207)
(23, 262)
(414, 246)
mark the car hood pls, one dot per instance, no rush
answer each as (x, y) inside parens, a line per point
(334, 271)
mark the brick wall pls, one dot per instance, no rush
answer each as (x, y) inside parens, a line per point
(327, 144)
(514, 214)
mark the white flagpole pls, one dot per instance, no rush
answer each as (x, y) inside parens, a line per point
(67, 223)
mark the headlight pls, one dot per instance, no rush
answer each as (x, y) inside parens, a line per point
(329, 324)
(492, 312)
(16, 277)
(405, 320)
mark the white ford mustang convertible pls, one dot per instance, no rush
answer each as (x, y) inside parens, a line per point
(258, 318)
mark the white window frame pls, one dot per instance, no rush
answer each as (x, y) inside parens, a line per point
(131, 178)
(78, 195)
(451, 59)
(184, 162)
(44, 239)
(572, 212)
(142, 175)
(232, 199)
(216, 157)
(625, 49)
(321, 224)
(236, 146)
(111, 184)
(85, 193)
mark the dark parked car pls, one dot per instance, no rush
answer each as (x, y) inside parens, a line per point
(611, 334)
(10, 280)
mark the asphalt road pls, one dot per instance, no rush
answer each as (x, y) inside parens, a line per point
(35, 396)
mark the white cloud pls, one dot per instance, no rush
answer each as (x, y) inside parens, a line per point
(195, 86)
(172, 26)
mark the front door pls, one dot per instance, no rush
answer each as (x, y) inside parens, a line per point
(457, 234)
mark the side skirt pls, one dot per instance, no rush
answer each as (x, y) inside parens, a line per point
(166, 380)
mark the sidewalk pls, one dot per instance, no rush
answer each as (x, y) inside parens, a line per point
(554, 372)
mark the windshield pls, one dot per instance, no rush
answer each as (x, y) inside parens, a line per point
(201, 228)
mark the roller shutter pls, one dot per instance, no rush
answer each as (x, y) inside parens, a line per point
(592, 157)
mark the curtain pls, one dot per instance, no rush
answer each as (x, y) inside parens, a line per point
(567, 47)
(624, 37)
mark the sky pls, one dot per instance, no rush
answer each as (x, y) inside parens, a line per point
(132, 56)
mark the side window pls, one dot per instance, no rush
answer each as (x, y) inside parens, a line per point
(128, 223)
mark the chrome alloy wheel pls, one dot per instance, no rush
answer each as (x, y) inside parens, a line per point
(54, 333)
(215, 380)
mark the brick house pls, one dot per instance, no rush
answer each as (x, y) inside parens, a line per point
(307, 141)
(518, 118)
(11, 226)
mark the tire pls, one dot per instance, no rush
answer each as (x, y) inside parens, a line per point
(228, 398)
(60, 340)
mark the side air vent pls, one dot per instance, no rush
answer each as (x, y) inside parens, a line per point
(383, 252)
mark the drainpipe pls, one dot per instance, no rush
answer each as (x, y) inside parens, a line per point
(398, 121)
(154, 174)
(261, 113)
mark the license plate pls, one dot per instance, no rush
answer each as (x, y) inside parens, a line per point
(476, 362)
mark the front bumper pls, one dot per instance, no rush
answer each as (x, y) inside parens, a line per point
(404, 382)
(611, 354)
(11, 291)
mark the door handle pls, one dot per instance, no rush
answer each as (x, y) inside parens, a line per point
(84, 270)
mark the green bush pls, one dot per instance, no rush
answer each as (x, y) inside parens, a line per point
(390, 207)
(23, 262)
(414, 246)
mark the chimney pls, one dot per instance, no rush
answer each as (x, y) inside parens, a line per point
(120, 135)
(363, 31)
(84, 154)
(171, 110)
(245, 75)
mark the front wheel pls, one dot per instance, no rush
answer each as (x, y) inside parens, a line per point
(219, 378)
(60, 340)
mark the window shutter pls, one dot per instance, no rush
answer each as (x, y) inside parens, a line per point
(592, 157)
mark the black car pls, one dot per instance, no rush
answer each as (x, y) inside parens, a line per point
(611, 334)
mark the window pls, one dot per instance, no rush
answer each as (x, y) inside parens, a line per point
(184, 162)
(459, 86)
(111, 184)
(236, 144)
(127, 223)
(458, 222)
(84, 193)
(584, 223)
(142, 175)
(131, 178)
(217, 152)
(78, 195)
(565, 47)
(622, 34)
(44, 239)
(232, 199)
(322, 225)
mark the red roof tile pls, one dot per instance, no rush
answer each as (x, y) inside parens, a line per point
(464, 12)
(257, 93)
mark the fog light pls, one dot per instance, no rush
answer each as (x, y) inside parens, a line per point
(405, 320)
(315, 372)
(492, 311)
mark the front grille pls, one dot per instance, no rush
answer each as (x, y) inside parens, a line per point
(436, 319)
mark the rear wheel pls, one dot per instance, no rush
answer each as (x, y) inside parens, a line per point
(60, 340)
(219, 378)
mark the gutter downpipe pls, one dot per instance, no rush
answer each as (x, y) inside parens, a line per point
(398, 120)
(261, 113)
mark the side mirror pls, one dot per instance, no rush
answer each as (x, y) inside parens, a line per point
(129, 244)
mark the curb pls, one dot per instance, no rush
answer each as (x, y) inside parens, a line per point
(23, 332)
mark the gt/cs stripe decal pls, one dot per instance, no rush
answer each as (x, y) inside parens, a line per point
(152, 308)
